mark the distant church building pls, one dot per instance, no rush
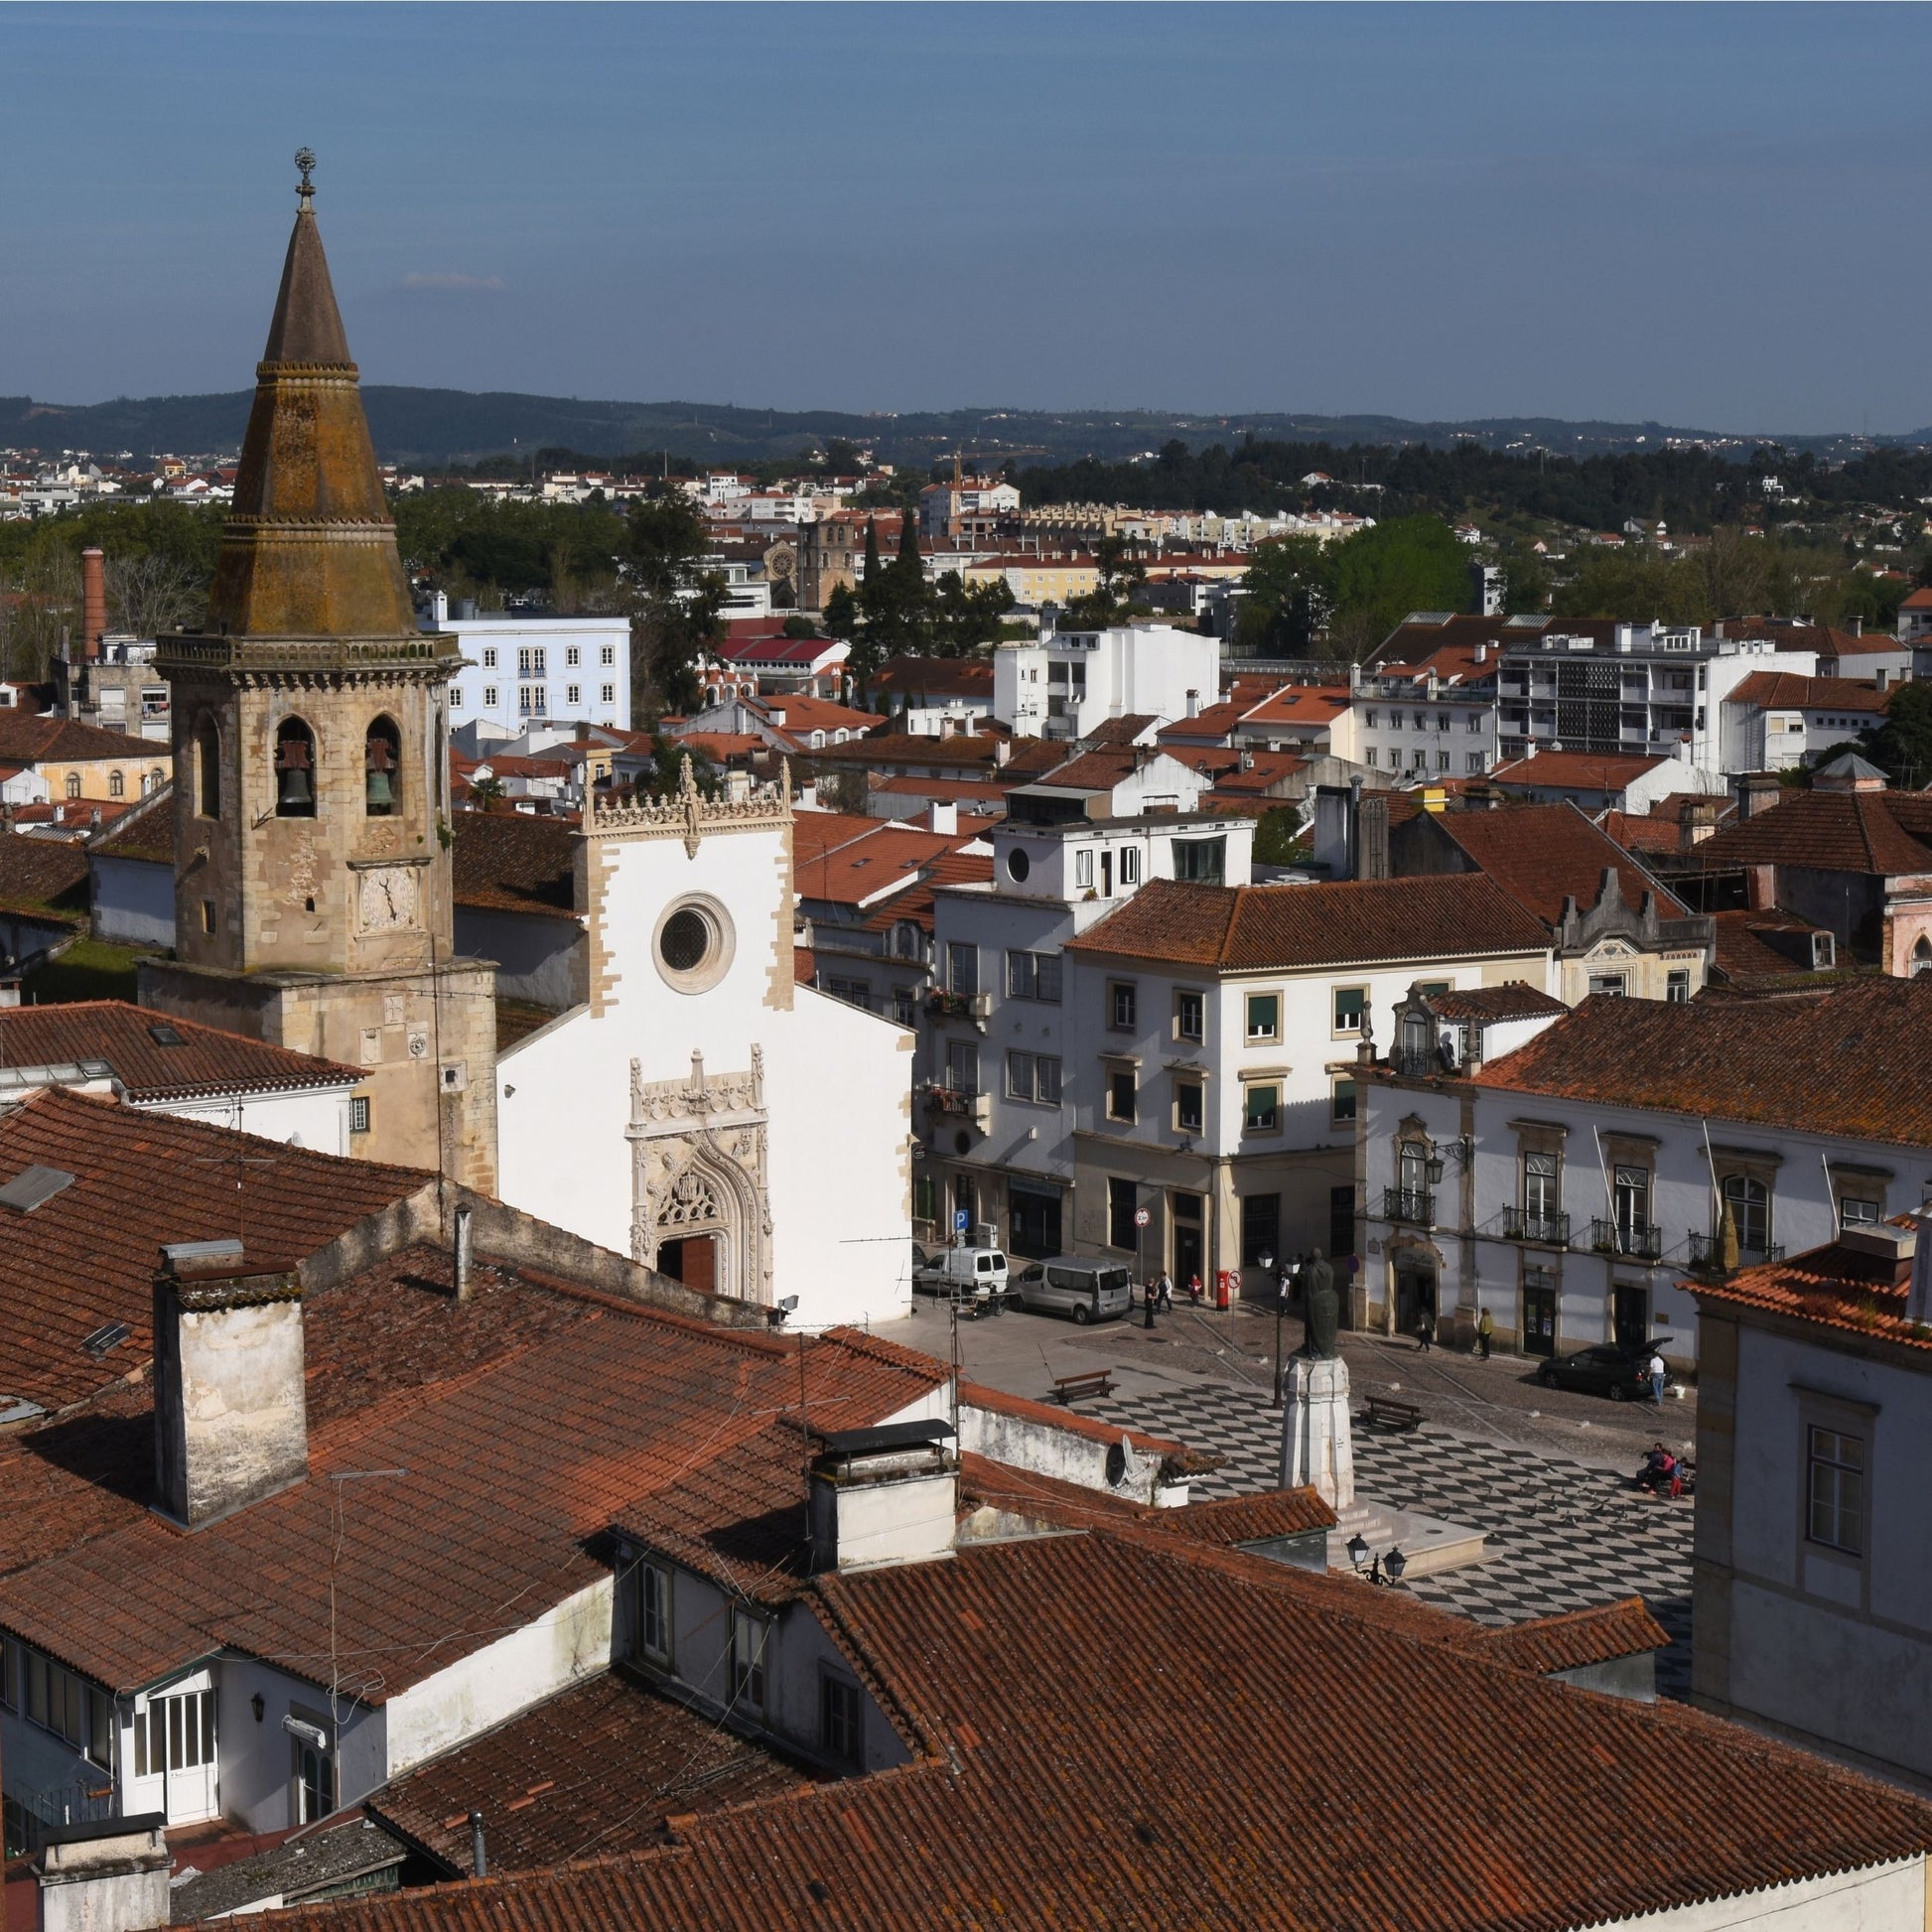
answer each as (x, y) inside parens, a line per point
(310, 724)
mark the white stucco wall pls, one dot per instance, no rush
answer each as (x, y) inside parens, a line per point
(538, 957)
(547, 1655)
(316, 1117)
(1879, 1899)
(837, 1080)
(134, 901)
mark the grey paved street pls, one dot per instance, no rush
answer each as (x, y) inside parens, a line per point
(1542, 1471)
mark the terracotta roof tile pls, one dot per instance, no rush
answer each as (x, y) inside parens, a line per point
(40, 875)
(1844, 1061)
(514, 862)
(86, 1257)
(1542, 854)
(1576, 770)
(27, 739)
(1884, 833)
(1787, 691)
(197, 1060)
(1835, 1287)
(1516, 1001)
(1248, 928)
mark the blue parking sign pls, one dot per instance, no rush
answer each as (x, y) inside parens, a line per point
(961, 1220)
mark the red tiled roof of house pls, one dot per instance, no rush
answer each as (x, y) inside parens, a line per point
(1575, 1639)
(936, 677)
(25, 739)
(512, 1472)
(1212, 726)
(773, 648)
(798, 715)
(86, 1257)
(916, 901)
(596, 1769)
(1516, 1001)
(1454, 662)
(1787, 691)
(1576, 770)
(1884, 833)
(1844, 1061)
(978, 750)
(1541, 855)
(43, 875)
(723, 746)
(1835, 1287)
(1248, 928)
(1099, 770)
(187, 1058)
(1743, 952)
(858, 872)
(1300, 704)
(514, 862)
(1044, 1790)
(146, 832)
(1122, 729)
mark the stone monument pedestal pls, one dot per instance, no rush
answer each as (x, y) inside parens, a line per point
(1317, 1448)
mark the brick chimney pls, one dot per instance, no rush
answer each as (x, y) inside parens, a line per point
(94, 601)
(231, 1422)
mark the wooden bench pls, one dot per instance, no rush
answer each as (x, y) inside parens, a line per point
(1384, 1411)
(1069, 1389)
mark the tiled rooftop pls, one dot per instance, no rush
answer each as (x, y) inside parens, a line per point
(156, 1057)
(1576, 770)
(40, 875)
(1845, 1061)
(1835, 1287)
(1542, 854)
(514, 862)
(1255, 928)
(1884, 833)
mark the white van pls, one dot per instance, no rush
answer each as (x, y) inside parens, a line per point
(975, 1275)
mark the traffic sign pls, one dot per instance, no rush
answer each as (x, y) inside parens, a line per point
(1142, 1218)
(961, 1220)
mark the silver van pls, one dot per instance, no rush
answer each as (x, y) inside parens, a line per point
(1075, 1284)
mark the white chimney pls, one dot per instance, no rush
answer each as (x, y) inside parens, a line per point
(882, 1495)
(1194, 704)
(109, 1877)
(942, 816)
(230, 1415)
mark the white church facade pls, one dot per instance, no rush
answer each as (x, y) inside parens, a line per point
(699, 1110)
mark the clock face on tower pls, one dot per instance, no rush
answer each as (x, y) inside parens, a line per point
(387, 899)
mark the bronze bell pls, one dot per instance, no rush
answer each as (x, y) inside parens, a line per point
(293, 790)
(378, 787)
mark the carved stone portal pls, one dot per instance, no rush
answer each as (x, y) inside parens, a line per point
(698, 1167)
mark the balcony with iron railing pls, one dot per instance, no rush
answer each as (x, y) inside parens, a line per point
(1708, 1256)
(1547, 1230)
(1641, 1240)
(1415, 1204)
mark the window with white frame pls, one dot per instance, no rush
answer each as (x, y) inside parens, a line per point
(1033, 976)
(1189, 1012)
(1835, 1488)
(650, 1608)
(573, 694)
(490, 697)
(455, 697)
(1130, 865)
(1083, 867)
(1033, 1076)
(572, 657)
(608, 693)
(489, 657)
(1352, 1001)
(748, 1634)
(608, 655)
(1263, 1017)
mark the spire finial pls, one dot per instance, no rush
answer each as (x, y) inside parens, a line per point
(305, 159)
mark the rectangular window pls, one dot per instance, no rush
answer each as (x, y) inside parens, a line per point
(1047, 1079)
(1263, 1017)
(1854, 1211)
(455, 697)
(1033, 976)
(1129, 859)
(1835, 1490)
(1343, 1103)
(314, 1778)
(653, 1629)
(1263, 1109)
(855, 993)
(489, 657)
(11, 1653)
(1187, 1107)
(1475, 762)
(530, 661)
(1368, 757)
(963, 1065)
(748, 1660)
(962, 968)
(838, 1719)
(1441, 761)
(1352, 1001)
(1119, 1097)
(1188, 1012)
(1608, 984)
(1476, 721)
(1261, 1230)
(1019, 1075)
(1676, 985)
(1122, 1005)
(532, 700)
(1204, 861)
(1083, 867)
(573, 694)
(1121, 1206)
(608, 693)
(358, 1114)
(572, 657)
(1369, 718)
(608, 656)
(1538, 1187)
(490, 697)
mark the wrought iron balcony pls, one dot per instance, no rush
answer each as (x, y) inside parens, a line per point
(1643, 1240)
(1552, 1230)
(1708, 1254)
(1415, 1204)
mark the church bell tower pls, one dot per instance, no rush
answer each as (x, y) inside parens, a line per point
(310, 722)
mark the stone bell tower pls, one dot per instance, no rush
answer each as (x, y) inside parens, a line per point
(310, 724)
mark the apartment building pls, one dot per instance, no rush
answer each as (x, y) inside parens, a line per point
(1070, 683)
(517, 671)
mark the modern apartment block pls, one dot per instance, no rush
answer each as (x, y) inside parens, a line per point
(1069, 684)
(518, 671)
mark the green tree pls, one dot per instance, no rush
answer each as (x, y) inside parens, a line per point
(872, 552)
(1526, 583)
(676, 606)
(967, 616)
(799, 626)
(1903, 746)
(1289, 586)
(841, 613)
(1411, 563)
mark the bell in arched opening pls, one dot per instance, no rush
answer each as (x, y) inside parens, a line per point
(381, 763)
(295, 764)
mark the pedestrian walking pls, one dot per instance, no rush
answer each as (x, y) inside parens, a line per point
(1656, 1378)
(1150, 1295)
(1166, 1293)
(1485, 1331)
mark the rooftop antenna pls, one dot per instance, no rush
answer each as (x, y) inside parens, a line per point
(305, 159)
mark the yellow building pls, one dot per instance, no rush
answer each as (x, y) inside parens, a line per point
(81, 761)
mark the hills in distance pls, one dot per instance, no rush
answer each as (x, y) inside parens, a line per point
(420, 427)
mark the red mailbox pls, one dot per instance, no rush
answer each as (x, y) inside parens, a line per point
(1224, 1288)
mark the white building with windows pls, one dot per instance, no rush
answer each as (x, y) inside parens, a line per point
(1212, 1041)
(1575, 1186)
(1425, 726)
(1069, 684)
(1812, 1578)
(518, 671)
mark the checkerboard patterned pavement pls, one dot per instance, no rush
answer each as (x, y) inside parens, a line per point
(1561, 1535)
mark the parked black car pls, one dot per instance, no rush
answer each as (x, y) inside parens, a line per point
(1611, 1368)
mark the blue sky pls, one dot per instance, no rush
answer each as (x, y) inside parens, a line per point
(1699, 215)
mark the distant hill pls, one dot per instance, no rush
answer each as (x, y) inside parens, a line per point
(431, 426)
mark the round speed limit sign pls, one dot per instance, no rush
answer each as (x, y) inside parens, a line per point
(1142, 1218)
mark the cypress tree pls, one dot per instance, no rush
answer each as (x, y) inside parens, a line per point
(872, 555)
(910, 561)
